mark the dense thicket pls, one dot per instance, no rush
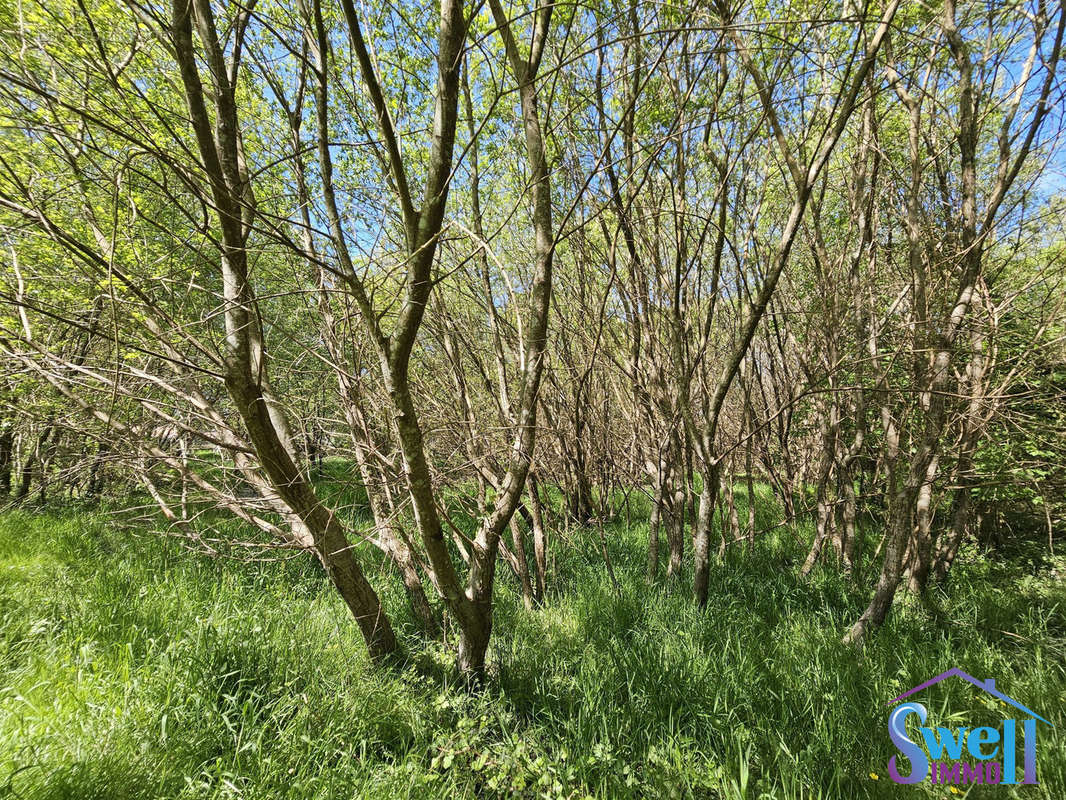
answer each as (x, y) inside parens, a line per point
(491, 255)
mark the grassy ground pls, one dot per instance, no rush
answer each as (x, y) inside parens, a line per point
(130, 668)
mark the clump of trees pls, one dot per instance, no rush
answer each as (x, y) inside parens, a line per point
(487, 250)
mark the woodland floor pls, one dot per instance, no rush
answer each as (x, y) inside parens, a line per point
(131, 668)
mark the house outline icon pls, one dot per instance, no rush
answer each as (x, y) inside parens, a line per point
(987, 686)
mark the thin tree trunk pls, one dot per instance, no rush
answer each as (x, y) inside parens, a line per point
(540, 541)
(674, 508)
(33, 459)
(702, 536)
(891, 570)
(518, 540)
(652, 571)
(7, 447)
(748, 468)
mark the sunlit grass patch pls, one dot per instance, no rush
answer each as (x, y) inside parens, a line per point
(131, 669)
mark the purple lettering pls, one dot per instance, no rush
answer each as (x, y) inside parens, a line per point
(949, 775)
(993, 772)
(972, 774)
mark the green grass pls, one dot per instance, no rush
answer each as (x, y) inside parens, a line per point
(131, 668)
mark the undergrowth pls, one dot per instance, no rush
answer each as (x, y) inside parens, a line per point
(133, 668)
